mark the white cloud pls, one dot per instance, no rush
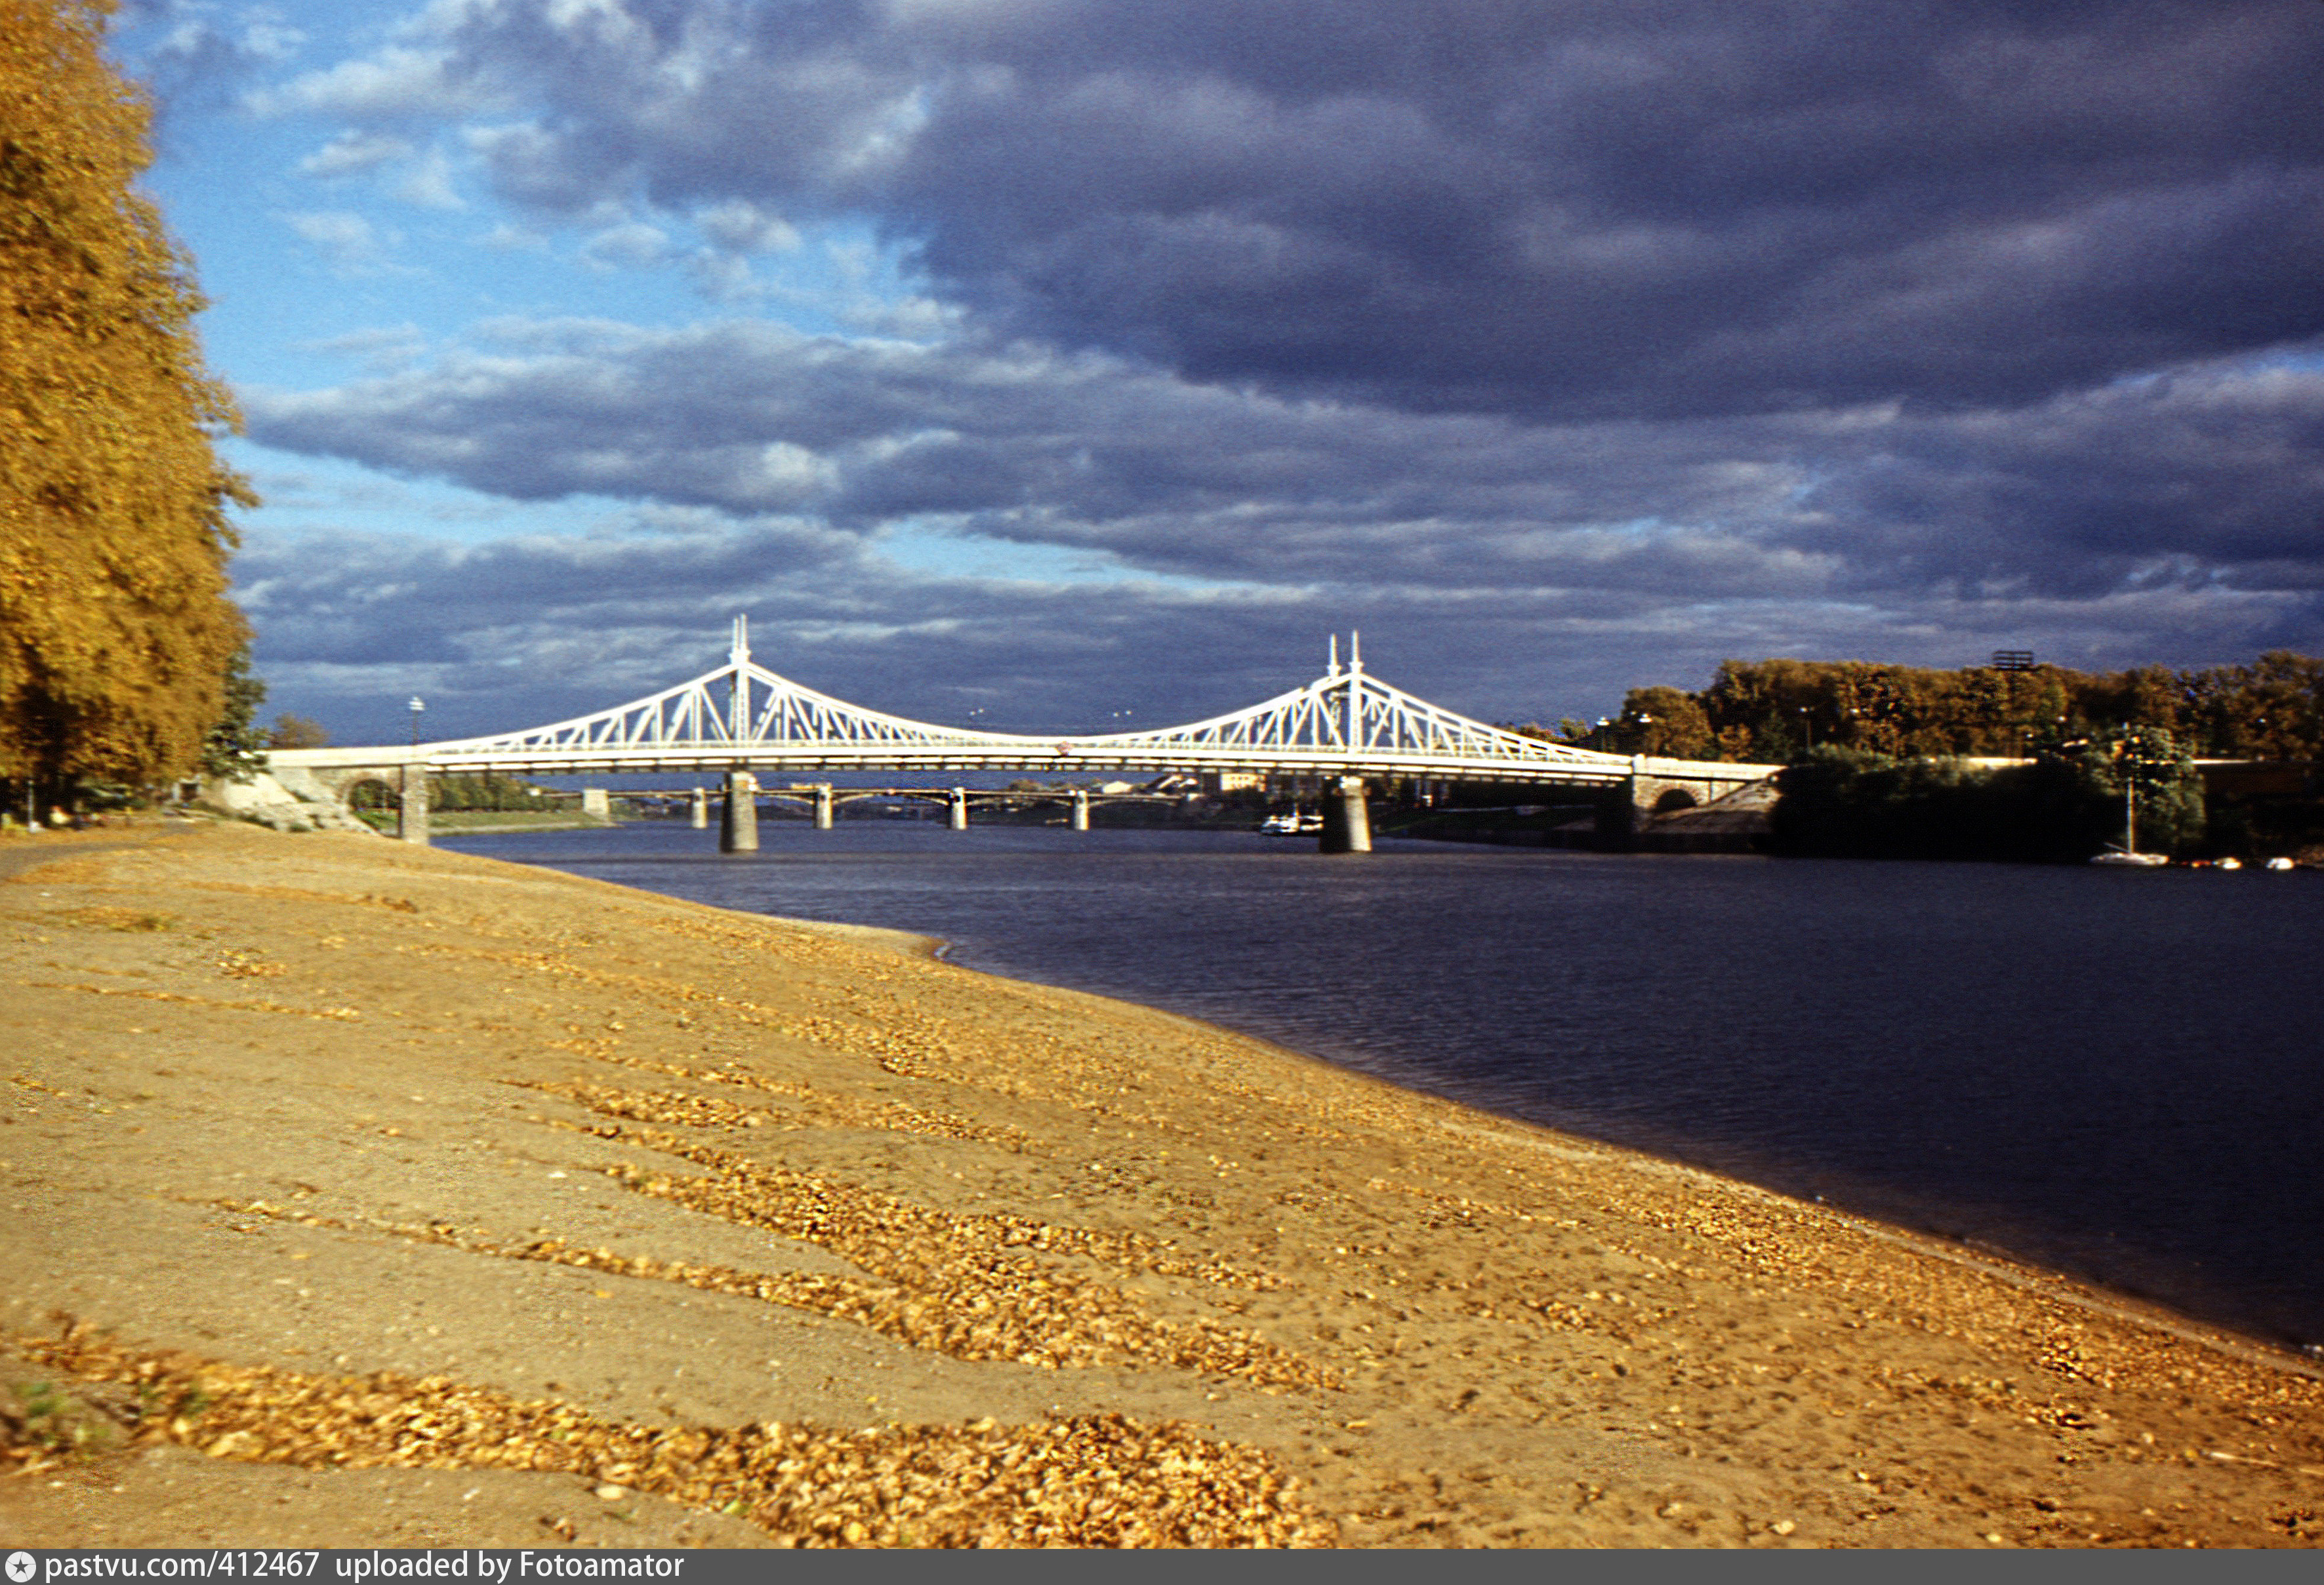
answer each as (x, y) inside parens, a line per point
(428, 184)
(741, 226)
(351, 153)
(397, 81)
(272, 40)
(505, 238)
(633, 245)
(724, 278)
(341, 233)
(352, 243)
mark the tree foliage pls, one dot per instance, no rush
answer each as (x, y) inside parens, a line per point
(2062, 808)
(1774, 710)
(297, 732)
(235, 746)
(2165, 789)
(489, 790)
(116, 633)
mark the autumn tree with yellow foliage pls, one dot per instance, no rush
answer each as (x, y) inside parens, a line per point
(116, 631)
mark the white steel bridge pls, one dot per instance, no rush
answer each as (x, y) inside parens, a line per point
(741, 718)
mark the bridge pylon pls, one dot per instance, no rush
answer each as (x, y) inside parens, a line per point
(412, 805)
(738, 833)
(1347, 818)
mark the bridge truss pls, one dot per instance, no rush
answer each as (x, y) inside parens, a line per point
(743, 716)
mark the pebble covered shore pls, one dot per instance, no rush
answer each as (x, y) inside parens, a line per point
(358, 1194)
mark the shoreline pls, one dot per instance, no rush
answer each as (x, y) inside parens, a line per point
(2228, 1334)
(2082, 1290)
(673, 1166)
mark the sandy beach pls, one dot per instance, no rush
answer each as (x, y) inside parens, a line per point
(361, 1194)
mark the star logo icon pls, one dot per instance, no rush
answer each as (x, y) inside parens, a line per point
(20, 1567)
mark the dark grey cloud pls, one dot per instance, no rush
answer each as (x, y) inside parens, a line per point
(1569, 208)
(1513, 571)
(2213, 474)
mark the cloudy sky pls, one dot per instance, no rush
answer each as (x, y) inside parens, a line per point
(1061, 358)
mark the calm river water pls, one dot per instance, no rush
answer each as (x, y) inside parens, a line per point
(2119, 1075)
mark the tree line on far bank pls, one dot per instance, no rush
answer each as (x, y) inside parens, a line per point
(1875, 755)
(1771, 712)
(2062, 806)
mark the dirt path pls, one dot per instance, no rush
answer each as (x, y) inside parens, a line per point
(402, 1196)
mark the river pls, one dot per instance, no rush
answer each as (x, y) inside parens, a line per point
(2117, 1074)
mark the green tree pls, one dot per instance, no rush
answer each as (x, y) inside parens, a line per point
(1849, 803)
(2165, 789)
(116, 637)
(235, 747)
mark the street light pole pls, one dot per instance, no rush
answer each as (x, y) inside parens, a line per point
(418, 705)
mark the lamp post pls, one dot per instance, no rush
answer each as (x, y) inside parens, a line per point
(418, 705)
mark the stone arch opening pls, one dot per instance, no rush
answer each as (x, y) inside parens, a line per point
(1673, 800)
(372, 795)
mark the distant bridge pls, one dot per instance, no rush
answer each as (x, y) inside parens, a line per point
(740, 719)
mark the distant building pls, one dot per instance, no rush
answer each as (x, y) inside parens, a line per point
(1227, 781)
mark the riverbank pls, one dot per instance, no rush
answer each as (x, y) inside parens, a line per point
(465, 821)
(597, 1184)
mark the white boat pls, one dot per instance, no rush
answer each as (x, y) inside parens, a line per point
(2123, 858)
(1292, 825)
(2280, 863)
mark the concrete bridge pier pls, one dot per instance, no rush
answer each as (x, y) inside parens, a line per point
(739, 831)
(1081, 808)
(412, 805)
(1347, 819)
(824, 805)
(960, 809)
(596, 804)
(698, 814)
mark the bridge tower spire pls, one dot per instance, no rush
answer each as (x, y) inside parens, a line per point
(1333, 670)
(739, 657)
(1355, 729)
